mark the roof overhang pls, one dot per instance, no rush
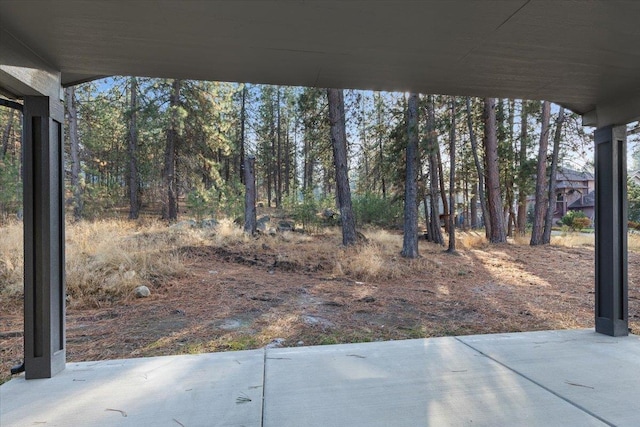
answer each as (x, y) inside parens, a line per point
(583, 55)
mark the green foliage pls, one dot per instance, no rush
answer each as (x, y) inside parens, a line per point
(231, 200)
(305, 212)
(576, 220)
(228, 201)
(100, 199)
(375, 210)
(10, 186)
(633, 195)
(199, 202)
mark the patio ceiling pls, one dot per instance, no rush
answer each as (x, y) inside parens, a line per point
(583, 55)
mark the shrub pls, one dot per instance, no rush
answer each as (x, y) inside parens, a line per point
(373, 209)
(199, 203)
(580, 223)
(11, 189)
(227, 201)
(306, 211)
(634, 225)
(576, 220)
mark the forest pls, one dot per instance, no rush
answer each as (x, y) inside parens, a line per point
(175, 149)
(158, 181)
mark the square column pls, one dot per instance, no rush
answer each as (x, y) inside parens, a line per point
(44, 283)
(611, 304)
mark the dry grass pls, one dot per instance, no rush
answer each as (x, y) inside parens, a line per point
(105, 260)
(471, 240)
(226, 233)
(297, 287)
(633, 242)
(573, 240)
(11, 260)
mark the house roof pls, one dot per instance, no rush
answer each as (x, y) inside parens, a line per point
(587, 201)
(573, 175)
(574, 185)
(583, 55)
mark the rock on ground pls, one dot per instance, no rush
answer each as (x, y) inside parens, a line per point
(142, 292)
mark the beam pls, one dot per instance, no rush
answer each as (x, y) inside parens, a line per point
(24, 73)
(611, 287)
(44, 283)
(20, 81)
(623, 110)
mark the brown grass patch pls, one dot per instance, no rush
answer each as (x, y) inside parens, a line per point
(11, 260)
(218, 289)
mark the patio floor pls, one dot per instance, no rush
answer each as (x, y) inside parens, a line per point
(563, 378)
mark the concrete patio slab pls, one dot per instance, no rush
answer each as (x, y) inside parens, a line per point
(432, 382)
(598, 373)
(558, 378)
(221, 389)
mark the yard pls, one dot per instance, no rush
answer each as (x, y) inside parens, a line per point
(218, 290)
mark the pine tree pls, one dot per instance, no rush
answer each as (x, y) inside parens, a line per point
(410, 238)
(494, 197)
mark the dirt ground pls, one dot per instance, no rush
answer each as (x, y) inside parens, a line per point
(233, 299)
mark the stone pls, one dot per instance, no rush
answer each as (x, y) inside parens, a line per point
(276, 343)
(142, 292)
(286, 226)
(184, 224)
(317, 321)
(329, 213)
(262, 223)
(209, 223)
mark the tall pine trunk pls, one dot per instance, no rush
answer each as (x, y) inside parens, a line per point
(250, 222)
(271, 159)
(557, 136)
(287, 163)
(474, 207)
(480, 171)
(410, 239)
(540, 207)
(443, 190)
(496, 218)
(509, 175)
(278, 174)
(74, 142)
(379, 124)
(132, 151)
(522, 171)
(339, 142)
(243, 119)
(170, 205)
(452, 178)
(6, 133)
(435, 232)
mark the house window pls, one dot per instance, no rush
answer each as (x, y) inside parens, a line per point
(560, 208)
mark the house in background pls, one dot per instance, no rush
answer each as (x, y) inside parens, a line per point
(574, 191)
(586, 204)
(634, 176)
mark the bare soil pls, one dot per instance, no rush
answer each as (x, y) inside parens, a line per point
(234, 299)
